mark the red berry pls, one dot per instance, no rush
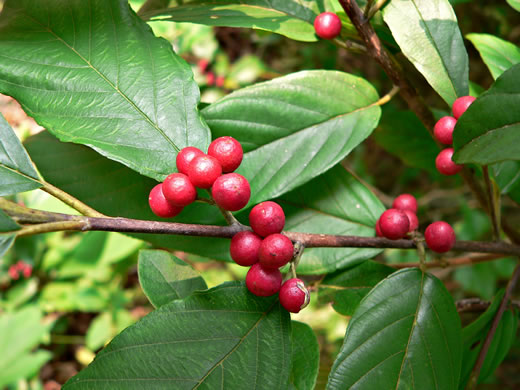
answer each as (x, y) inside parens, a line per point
(414, 221)
(203, 171)
(378, 229)
(210, 78)
(219, 82)
(405, 202)
(275, 251)
(203, 65)
(13, 272)
(228, 152)
(461, 105)
(27, 271)
(327, 25)
(394, 224)
(178, 190)
(443, 130)
(294, 296)
(185, 156)
(160, 206)
(231, 191)
(439, 237)
(445, 164)
(244, 248)
(267, 218)
(263, 282)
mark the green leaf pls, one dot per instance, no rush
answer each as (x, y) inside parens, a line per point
(498, 55)
(6, 240)
(99, 331)
(220, 338)
(286, 17)
(305, 357)
(507, 176)
(165, 277)
(514, 4)
(432, 41)
(7, 224)
(405, 334)
(17, 173)
(347, 287)
(488, 131)
(309, 120)
(96, 75)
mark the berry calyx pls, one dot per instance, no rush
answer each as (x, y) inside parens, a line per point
(394, 224)
(204, 170)
(263, 282)
(267, 218)
(275, 251)
(445, 164)
(378, 229)
(178, 190)
(228, 152)
(460, 105)
(231, 191)
(160, 206)
(405, 202)
(443, 130)
(439, 237)
(327, 25)
(244, 248)
(185, 156)
(414, 221)
(294, 296)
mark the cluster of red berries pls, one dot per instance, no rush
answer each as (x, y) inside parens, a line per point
(230, 191)
(211, 79)
(20, 268)
(265, 250)
(327, 25)
(401, 219)
(443, 132)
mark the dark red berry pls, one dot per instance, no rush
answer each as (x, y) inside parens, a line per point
(461, 105)
(294, 296)
(178, 190)
(394, 224)
(244, 248)
(445, 164)
(203, 171)
(231, 191)
(414, 221)
(443, 130)
(405, 202)
(263, 282)
(378, 229)
(185, 156)
(439, 237)
(228, 152)
(327, 25)
(160, 206)
(275, 251)
(267, 218)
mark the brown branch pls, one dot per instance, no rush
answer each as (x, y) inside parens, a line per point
(454, 262)
(476, 305)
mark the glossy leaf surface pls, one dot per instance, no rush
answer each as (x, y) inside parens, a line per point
(498, 55)
(305, 357)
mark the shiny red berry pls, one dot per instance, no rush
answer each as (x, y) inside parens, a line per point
(327, 25)
(443, 130)
(267, 218)
(414, 221)
(231, 191)
(394, 224)
(244, 248)
(203, 171)
(263, 282)
(178, 190)
(439, 237)
(160, 206)
(294, 296)
(405, 202)
(378, 229)
(445, 164)
(275, 251)
(228, 152)
(185, 156)
(461, 105)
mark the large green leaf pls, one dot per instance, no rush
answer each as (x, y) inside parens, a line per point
(17, 173)
(514, 4)
(432, 41)
(165, 277)
(405, 334)
(220, 338)
(96, 75)
(305, 357)
(295, 127)
(488, 132)
(291, 18)
(498, 55)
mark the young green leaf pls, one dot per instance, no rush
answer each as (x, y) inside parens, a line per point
(97, 75)
(514, 4)
(507, 176)
(405, 334)
(305, 357)
(498, 55)
(7, 224)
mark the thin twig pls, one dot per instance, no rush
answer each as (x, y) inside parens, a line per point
(385, 99)
(492, 203)
(373, 10)
(152, 5)
(68, 199)
(451, 263)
